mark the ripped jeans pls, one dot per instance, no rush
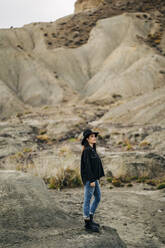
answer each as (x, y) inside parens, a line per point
(89, 191)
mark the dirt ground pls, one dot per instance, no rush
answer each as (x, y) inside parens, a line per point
(137, 213)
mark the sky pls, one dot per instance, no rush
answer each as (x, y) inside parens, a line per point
(16, 13)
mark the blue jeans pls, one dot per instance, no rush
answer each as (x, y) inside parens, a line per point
(88, 192)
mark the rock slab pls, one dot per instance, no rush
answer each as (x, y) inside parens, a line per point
(29, 217)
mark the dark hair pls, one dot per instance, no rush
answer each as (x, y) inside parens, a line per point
(86, 143)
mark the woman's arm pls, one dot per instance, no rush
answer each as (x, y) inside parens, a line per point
(87, 163)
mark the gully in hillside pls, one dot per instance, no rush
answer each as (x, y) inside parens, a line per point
(91, 171)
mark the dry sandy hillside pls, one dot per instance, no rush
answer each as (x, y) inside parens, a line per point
(113, 52)
(102, 67)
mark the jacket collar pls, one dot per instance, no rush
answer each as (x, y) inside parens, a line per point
(90, 147)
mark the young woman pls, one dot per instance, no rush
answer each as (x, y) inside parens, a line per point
(91, 171)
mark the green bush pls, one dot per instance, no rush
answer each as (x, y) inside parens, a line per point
(109, 179)
(161, 186)
(129, 185)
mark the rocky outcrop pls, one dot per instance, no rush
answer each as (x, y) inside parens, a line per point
(29, 217)
(82, 5)
(135, 165)
(26, 203)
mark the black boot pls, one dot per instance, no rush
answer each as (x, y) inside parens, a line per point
(90, 227)
(94, 223)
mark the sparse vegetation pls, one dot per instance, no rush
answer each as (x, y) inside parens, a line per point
(119, 142)
(64, 150)
(151, 182)
(27, 112)
(144, 143)
(18, 155)
(27, 149)
(116, 182)
(19, 115)
(58, 171)
(126, 142)
(142, 179)
(45, 107)
(133, 178)
(109, 179)
(129, 147)
(72, 139)
(43, 138)
(121, 181)
(64, 178)
(129, 185)
(125, 179)
(42, 131)
(161, 186)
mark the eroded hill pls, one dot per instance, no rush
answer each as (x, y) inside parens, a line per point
(99, 55)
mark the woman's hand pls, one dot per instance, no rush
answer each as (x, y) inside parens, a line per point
(92, 184)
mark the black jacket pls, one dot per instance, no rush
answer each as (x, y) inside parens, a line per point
(91, 165)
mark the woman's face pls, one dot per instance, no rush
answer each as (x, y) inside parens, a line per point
(92, 138)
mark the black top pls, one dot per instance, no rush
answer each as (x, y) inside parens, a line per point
(91, 165)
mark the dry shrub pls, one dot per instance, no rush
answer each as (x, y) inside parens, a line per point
(142, 179)
(42, 131)
(144, 143)
(161, 186)
(127, 144)
(129, 147)
(151, 182)
(43, 137)
(19, 114)
(64, 150)
(27, 112)
(125, 179)
(27, 149)
(56, 173)
(116, 182)
(65, 178)
(133, 178)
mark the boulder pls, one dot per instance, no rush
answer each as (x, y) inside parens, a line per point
(30, 217)
(135, 164)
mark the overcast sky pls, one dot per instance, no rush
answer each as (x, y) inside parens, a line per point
(16, 13)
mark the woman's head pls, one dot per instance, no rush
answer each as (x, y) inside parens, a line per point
(89, 138)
